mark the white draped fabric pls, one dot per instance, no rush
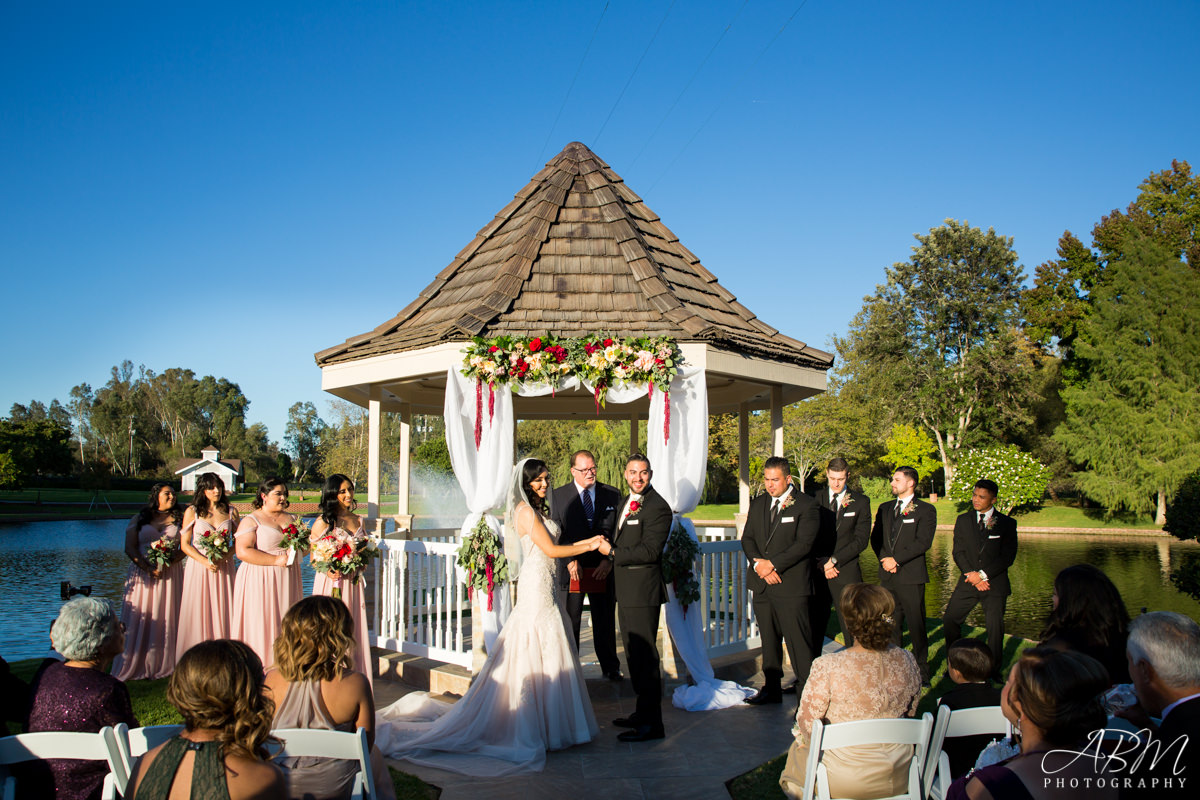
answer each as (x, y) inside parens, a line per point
(679, 461)
(482, 473)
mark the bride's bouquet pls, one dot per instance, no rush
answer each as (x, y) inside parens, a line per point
(161, 551)
(483, 558)
(295, 540)
(215, 544)
(345, 555)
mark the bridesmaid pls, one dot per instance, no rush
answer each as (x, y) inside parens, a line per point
(207, 586)
(150, 608)
(265, 586)
(337, 514)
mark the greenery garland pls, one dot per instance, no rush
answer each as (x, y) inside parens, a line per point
(677, 566)
(482, 557)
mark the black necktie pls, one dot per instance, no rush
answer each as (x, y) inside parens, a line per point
(774, 510)
(833, 503)
(589, 510)
(982, 522)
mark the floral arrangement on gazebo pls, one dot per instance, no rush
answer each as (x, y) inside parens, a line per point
(599, 360)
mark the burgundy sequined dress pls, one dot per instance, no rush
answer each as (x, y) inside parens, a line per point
(73, 699)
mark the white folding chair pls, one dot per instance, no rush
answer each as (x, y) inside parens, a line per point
(984, 720)
(59, 744)
(133, 743)
(332, 744)
(915, 732)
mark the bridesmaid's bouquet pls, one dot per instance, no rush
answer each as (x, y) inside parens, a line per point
(345, 555)
(161, 551)
(295, 540)
(215, 544)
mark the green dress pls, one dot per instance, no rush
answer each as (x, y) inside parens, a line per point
(208, 773)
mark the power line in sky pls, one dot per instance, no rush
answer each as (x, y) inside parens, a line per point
(586, 50)
(636, 67)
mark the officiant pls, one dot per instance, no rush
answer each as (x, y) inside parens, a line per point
(583, 508)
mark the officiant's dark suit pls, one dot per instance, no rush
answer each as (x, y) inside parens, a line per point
(575, 524)
(637, 574)
(786, 539)
(904, 536)
(983, 549)
(845, 531)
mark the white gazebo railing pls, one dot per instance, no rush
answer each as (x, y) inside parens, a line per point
(423, 608)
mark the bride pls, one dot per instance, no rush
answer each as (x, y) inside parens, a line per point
(530, 696)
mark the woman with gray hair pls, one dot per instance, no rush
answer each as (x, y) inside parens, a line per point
(78, 694)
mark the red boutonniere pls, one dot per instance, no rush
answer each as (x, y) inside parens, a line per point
(908, 509)
(634, 506)
(990, 522)
(846, 500)
(787, 501)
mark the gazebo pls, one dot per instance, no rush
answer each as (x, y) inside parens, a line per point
(575, 253)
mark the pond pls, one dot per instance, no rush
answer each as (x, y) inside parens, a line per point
(35, 557)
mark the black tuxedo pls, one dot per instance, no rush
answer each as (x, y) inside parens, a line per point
(993, 551)
(1164, 753)
(906, 538)
(782, 609)
(573, 527)
(637, 578)
(845, 532)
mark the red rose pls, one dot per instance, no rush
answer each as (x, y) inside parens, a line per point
(589, 348)
(608, 342)
(535, 345)
(659, 361)
(634, 506)
(493, 349)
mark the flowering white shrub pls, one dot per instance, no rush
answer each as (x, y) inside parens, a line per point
(1021, 478)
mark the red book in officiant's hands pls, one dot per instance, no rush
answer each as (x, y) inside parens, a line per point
(588, 583)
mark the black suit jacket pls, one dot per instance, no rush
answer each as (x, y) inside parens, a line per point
(789, 544)
(905, 539)
(637, 551)
(573, 525)
(993, 552)
(844, 532)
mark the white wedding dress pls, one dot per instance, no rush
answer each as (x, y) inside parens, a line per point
(530, 696)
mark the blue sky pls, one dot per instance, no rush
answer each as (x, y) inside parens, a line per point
(230, 187)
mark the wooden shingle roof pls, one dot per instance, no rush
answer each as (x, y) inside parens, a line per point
(576, 252)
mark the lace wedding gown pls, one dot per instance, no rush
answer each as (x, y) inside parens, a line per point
(530, 696)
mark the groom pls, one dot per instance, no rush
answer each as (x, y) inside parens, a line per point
(636, 553)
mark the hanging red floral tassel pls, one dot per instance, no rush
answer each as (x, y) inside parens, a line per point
(667, 417)
(652, 391)
(596, 391)
(478, 413)
(491, 585)
(491, 403)
(470, 585)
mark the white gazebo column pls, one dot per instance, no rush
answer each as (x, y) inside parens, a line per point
(777, 420)
(743, 457)
(403, 477)
(373, 434)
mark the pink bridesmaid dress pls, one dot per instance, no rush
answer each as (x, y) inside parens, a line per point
(150, 611)
(204, 613)
(262, 595)
(353, 597)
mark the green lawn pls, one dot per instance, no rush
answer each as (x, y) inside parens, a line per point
(1048, 516)
(762, 782)
(150, 706)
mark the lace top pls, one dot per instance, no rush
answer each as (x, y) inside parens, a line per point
(858, 684)
(536, 585)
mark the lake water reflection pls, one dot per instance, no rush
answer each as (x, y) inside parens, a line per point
(35, 557)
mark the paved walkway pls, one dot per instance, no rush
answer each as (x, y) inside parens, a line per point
(702, 751)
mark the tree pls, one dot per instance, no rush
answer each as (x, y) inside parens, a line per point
(303, 436)
(938, 343)
(1022, 480)
(10, 476)
(1134, 423)
(908, 446)
(1183, 522)
(344, 445)
(36, 447)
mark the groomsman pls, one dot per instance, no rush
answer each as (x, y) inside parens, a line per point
(636, 552)
(902, 534)
(985, 546)
(583, 508)
(781, 530)
(845, 531)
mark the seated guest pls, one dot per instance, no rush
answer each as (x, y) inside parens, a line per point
(969, 662)
(217, 687)
(79, 695)
(1089, 616)
(1164, 662)
(314, 686)
(871, 679)
(1054, 700)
